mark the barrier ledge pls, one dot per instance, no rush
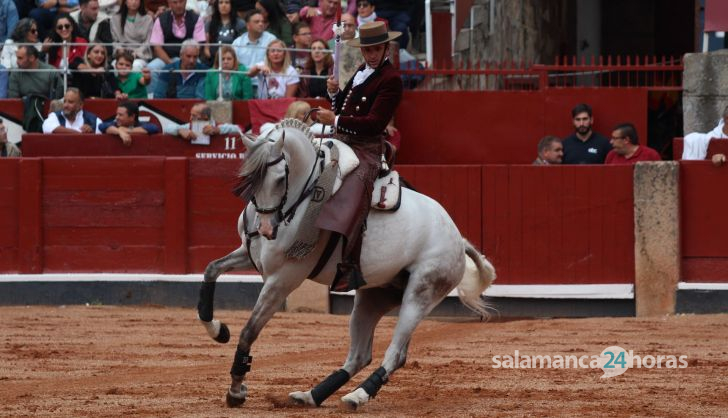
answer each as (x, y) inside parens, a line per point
(226, 147)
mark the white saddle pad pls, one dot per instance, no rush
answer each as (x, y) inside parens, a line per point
(386, 195)
(348, 161)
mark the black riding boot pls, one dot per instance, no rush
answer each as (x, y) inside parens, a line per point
(348, 272)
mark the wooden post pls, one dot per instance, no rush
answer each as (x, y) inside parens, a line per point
(30, 219)
(175, 215)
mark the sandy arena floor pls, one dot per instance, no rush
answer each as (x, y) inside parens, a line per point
(121, 361)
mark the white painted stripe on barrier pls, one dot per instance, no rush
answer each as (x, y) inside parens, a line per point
(556, 291)
(547, 291)
(702, 286)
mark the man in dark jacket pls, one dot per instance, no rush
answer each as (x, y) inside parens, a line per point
(361, 113)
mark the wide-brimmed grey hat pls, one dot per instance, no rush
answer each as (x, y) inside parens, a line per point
(373, 33)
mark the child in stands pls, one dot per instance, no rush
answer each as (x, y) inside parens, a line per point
(131, 84)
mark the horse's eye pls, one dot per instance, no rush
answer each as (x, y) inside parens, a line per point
(279, 181)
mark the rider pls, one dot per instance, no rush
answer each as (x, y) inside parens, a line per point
(361, 113)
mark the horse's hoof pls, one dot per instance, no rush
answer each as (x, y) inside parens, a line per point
(302, 398)
(224, 335)
(355, 399)
(234, 400)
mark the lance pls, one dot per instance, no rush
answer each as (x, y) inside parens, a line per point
(337, 43)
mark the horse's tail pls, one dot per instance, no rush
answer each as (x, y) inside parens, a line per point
(479, 274)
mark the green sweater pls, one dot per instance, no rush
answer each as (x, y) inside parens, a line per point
(47, 83)
(242, 87)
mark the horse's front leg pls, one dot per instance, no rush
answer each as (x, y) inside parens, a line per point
(236, 260)
(272, 296)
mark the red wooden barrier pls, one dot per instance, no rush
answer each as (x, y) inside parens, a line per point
(170, 215)
(715, 146)
(212, 211)
(704, 228)
(570, 224)
(104, 214)
(9, 197)
(447, 127)
(65, 145)
(504, 127)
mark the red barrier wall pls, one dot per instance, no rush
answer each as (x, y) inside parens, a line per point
(66, 145)
(458, 127)
(570, 224)
(715, 146)
(703, 217)
(174, 215)
(453, 127)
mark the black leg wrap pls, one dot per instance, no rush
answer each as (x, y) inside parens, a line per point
(374, 382)
(330, 385)
(241, 364)
(204, 305)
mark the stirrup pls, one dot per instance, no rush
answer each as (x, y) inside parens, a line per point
(348, 277)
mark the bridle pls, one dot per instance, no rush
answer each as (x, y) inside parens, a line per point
(279, 208)
(281, 215)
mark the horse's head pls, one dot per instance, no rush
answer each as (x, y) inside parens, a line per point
(266, 176)
(282, 155)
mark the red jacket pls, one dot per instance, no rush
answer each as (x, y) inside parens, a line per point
(366, 109)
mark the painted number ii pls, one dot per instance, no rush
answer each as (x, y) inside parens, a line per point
(230, 143)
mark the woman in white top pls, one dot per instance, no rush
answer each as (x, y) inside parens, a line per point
(26, 31)
(133, 25)
(277, 77)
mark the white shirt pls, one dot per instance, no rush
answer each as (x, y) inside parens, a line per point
(273, 86)
(250, 53)
(52, 123)
(695, 145)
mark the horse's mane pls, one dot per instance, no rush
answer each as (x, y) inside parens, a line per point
(296, 124)
(252, 171)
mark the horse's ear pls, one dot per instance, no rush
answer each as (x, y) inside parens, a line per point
(279, 144)
(249, 142)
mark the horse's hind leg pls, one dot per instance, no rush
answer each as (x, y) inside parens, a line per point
(237, 259)
(369, 307)
(420, 297)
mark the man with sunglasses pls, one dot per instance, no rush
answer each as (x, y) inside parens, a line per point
(365, 12)
(361, 113)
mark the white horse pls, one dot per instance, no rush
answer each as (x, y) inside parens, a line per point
(412, 257)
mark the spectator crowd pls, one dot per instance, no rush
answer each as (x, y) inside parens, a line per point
(205, 49)
(585, 146)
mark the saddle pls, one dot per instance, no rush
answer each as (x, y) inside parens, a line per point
(387, 193)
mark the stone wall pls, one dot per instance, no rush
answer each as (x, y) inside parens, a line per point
(705, 90)
(523, 30)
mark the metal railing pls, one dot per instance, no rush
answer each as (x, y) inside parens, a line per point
(656, 73)
(66, 70)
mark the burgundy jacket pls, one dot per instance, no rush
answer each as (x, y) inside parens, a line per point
(366, 109)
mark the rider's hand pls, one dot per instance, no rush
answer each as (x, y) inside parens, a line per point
(326, 117)
(332, 86)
